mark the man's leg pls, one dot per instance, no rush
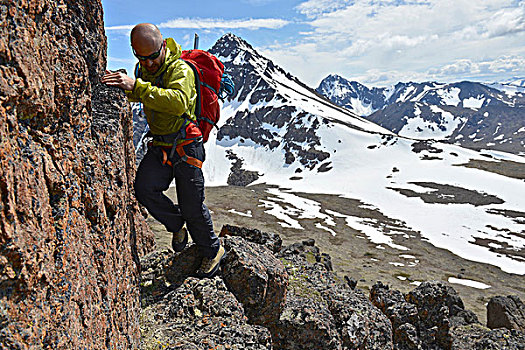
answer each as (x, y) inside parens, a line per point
(151, 180)
(189, 181)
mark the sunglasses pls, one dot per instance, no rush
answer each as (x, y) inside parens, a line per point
(150, 57)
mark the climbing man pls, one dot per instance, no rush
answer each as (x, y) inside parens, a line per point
(165, 85)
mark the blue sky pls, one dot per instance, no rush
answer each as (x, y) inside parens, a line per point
(375, 42)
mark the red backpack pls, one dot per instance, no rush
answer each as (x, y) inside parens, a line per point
(211, 84)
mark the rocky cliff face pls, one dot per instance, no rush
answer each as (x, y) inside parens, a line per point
(70, 229)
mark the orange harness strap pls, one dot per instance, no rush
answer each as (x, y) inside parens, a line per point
(165, 159)
(183, 156)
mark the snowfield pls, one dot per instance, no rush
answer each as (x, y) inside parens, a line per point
(368, 175)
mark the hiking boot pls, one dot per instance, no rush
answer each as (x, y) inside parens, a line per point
(180, 239)
(210, 265)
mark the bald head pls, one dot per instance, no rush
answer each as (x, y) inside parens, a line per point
(146, 34)
(148, 46)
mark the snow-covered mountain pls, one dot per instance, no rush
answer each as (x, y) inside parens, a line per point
(290, 136)
(519, 82)
(278, 131)
(474, 115)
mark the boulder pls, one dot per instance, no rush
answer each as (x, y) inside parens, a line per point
(403, 315)
(506, 312)
(200, 314)
(423, 318)
(272, 241)
(306, 323)
(439, 307)
(256, 277)
(323, 312)
(361, 325)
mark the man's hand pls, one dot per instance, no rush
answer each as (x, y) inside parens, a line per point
(118, 79)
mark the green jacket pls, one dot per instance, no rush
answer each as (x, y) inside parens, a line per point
(164, 105)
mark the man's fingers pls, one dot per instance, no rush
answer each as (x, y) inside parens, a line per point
(112, 77)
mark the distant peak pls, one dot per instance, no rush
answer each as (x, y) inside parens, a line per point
(334, 76)
(230, 39)
(340, 80)
(230, 45)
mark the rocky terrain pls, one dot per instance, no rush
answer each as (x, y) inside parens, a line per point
(274, 296)
(71, 232)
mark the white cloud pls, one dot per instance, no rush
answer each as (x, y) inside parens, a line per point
(212, 23)
(313, 8)
(464, 66)
(379, 40)
(505, 22)
(507, 64)
(127, 27)
(467, 67)
(209, 23)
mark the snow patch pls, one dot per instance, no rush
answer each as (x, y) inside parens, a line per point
(247, 214)
(468, 283)
(422, 129)
(473, 102)
(450, 97)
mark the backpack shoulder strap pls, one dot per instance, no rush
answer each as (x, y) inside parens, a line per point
(138, 72)
(197, 87)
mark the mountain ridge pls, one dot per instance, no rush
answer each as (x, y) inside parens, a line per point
(471, 114)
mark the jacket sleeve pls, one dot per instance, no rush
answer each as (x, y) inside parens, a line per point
(131, 97)
(174, 99)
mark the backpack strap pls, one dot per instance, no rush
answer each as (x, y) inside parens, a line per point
(209, 121)
(209, 87)
(198, 84)
(138, 71)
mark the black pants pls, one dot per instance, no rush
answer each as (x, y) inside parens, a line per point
(153, 178)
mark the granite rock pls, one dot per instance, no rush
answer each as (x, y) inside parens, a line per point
(71, 231)
(271, 240)
(336, 316)
(257, 278)
(183, 312)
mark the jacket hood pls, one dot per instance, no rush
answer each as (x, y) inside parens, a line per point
(173, 52)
